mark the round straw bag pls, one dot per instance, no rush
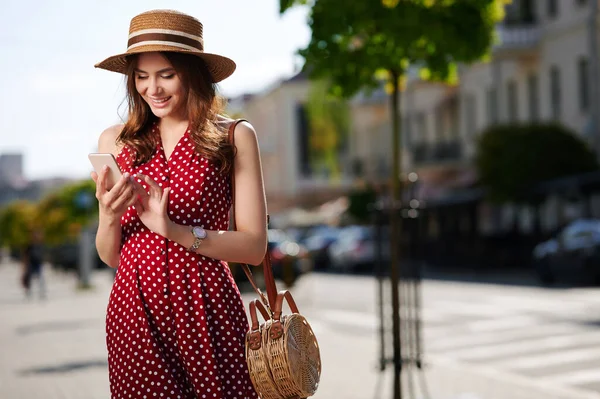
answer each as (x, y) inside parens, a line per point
(282, 353)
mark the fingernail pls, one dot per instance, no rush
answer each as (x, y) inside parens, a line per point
(126, 175)
(105, 167)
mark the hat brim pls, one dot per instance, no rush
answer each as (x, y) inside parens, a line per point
(220, 67)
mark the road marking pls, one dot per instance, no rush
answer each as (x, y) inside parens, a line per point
(549, 359)
(350, 318)
(472, 309)
(546, 304)
(496, 381)
(525, 346)
(575, 378)
(450, 341)
(502, 323)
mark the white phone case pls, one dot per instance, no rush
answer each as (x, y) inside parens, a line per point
(98, 160)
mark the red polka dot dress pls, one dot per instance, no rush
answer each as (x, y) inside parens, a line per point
(175, 321)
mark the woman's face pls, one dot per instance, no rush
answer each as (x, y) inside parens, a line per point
(159, 85)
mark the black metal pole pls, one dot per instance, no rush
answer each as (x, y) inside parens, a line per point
(377, 213)
(395, 234)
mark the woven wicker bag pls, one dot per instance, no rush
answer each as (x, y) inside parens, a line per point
(282, 353)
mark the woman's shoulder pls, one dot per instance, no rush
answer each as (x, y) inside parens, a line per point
(108, 139)
(226, 121)
(242, 128)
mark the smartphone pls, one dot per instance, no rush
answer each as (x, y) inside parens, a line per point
(98, 160)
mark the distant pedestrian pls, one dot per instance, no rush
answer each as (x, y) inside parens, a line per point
(176, 323)
(33, 263)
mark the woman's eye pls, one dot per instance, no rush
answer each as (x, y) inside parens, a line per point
(168, 76)
(142, 77)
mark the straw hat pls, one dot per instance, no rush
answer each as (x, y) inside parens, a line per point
(168, 30)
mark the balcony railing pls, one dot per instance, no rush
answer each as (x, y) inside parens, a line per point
(437, 152)
(517, 37)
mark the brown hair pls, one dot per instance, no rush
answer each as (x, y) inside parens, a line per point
(203, 106)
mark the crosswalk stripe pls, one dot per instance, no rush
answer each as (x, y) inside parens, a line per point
(549, 359)
(473, 309)
(346, 317)
(449, 341)
(579, 377)
(502, 323)
(525, 346)
(533, 304)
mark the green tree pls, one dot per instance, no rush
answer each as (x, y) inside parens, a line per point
(328, 118)
(356, 43)
(510, 159)
(64, 212)
(16, 221)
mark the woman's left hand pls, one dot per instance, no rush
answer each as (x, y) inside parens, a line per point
(152, 206)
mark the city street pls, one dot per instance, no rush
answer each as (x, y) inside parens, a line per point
(482, 341)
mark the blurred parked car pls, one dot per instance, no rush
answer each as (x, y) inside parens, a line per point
(289, 258)
(572, 256)
(318, 241)
(356, 248)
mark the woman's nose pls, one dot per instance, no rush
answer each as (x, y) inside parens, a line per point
(154, 87)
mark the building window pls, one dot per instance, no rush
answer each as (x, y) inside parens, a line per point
(492, 106)
(552, 8)
(408, 120)
(533, 98)
(555, 92)
(453, 115)
(421, 129)
(303, 137)
(583, 71)
(513, 101)
(471, 114)
(439, 124)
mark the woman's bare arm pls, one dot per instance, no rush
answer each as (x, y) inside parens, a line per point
(249, 243)
(108, 237)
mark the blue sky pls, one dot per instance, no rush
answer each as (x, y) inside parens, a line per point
(55, 103)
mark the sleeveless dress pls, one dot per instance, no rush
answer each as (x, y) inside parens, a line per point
(175, 323)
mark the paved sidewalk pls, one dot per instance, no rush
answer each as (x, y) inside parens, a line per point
(55, 349)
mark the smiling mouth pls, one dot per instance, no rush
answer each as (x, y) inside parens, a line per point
(160, 100)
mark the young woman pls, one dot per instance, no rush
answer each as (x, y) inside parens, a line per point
(175, 321)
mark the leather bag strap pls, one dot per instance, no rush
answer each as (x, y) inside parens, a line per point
(270, 300)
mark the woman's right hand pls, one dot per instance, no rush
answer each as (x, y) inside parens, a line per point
(114, 203)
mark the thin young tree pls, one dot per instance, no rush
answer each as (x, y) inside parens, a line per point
(354, 43)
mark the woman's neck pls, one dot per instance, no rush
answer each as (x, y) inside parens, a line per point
(172, 125)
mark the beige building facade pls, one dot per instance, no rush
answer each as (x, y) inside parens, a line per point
(279, 116)
(540, 70)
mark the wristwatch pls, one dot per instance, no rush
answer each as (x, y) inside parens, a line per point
(199, 235)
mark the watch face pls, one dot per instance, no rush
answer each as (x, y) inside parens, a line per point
(199, 232)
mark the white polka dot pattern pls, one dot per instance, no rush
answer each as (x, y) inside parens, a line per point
(175, 323)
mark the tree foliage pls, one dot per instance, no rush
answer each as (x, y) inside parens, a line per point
(353, 43)
(511, 159)
(63, 213)
(328, 118)
(60, 215)
(16, 221)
